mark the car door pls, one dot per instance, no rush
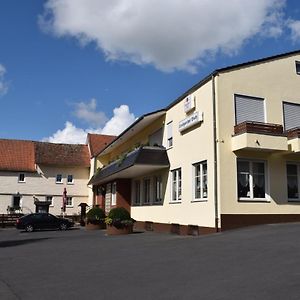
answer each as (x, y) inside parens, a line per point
(52, 221)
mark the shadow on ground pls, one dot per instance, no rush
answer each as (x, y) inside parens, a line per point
(14, 243)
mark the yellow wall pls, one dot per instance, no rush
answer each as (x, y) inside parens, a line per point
(275, 81)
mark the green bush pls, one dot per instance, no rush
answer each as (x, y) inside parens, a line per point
(95, 215)
(119, 213)
(119, 217)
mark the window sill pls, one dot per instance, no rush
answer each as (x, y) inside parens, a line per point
(21, 181)
(69, 206)
(174, 202)
(70, 183)
(200, 200)
(254, 200)
(57, 182)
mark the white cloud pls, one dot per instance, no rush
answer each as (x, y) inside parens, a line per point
(121, 119)
(87, 112)
(294, 26)
(169, 34)
(3, 83)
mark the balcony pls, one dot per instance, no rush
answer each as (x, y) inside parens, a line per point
(259, 136)
(293, 136)
(136, 163)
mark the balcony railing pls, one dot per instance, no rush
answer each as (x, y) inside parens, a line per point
(293, 133)
(259, 128)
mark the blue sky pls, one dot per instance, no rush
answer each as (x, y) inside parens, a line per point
(68, 67)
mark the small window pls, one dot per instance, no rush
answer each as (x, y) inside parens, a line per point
(200, 181)
(137, 192)
(114, 193)
(298, 67)
(50, 199)
(69, 201)
(70, 179)
(170, 134)
(147, 191)
(21, 177)
(157, 189)
(59, 178)
(292, 181)
(176, 185)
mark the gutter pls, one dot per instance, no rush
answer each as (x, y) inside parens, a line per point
(216, 202)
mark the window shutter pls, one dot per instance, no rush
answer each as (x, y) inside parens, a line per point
(249, 109)
(291, 115)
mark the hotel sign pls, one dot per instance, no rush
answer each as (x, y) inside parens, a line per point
(188, 103)
(190, 121)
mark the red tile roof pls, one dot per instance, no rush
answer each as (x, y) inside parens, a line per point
(17, 155)
(97, 142)
(62, 154)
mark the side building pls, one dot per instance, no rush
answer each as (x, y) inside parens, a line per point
(224, 154)
(37, 171)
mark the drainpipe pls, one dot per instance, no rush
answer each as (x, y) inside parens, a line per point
(215, 153)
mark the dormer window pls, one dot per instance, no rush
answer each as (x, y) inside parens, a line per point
(298, 67)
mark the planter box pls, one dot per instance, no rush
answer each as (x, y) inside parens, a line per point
(95, 226)
(112, 230)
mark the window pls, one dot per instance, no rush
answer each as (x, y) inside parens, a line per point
(59, 178)
(114, 193)
(200, 182)
(21, 177)
(157, 189)
(298, 67)
(249, 109)
(147, 192)
(292, 181)
(170, 134)
(69, 201)
(176, 185)
(16, 203)
(137, 192)
(50, 199)
(251, 180)
(291, 112)
(70, 179)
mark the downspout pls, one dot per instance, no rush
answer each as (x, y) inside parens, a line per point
(215, 154)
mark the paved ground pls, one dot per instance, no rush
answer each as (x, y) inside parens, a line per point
(255, 263)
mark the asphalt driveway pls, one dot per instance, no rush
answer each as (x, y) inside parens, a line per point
(261, 262)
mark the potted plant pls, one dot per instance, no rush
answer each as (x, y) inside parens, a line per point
(119, 221)
(95, 218)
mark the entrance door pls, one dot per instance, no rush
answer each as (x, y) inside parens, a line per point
(16, 203)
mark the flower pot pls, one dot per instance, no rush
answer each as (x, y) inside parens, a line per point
(112, 230)
(91, 226)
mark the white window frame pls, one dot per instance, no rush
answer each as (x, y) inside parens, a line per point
(114, 194)
(157, 189)
(178, 199)
(134, 194)
(24, 178)
(59, 182)
(202, 196)
(51, 200)
(72, 201)
(251, 198)
(70, 182)
(170, 140)
(148, 179)
(298, 181)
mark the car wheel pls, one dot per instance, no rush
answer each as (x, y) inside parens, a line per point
(29, 228)
(63, 226)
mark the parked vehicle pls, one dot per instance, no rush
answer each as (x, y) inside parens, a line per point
(42, 221)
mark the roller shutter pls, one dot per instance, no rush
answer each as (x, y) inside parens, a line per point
(249, 109)
(291, 114)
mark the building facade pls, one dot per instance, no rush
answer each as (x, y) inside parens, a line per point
(225, 154)
(37, 171)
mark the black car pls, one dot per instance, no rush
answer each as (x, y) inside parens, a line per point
(35, 221)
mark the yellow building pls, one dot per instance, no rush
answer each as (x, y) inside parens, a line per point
(225, 154)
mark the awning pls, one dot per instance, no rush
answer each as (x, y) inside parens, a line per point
(138, 162)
